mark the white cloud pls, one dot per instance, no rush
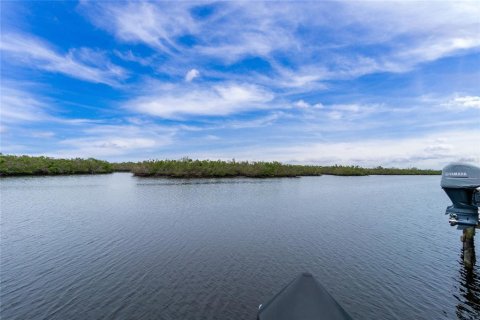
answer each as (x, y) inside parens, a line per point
(255, 123)
(43, 134)
(430, 50)
(83, 63)
(305, 105)
(130, 56)
(253, 31)
(410, 33)
(433, 150)
(463, 103)
(18, 105)
(216, 100)
(145, 22)
(350, 111)
(192, 74)
(27, 117)
(106, 141)
(254, 43)
(302, 104)
(108, 145)
(212, 137)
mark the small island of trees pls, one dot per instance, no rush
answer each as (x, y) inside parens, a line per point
(25, 165)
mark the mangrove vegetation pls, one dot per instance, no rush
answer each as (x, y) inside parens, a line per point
(188, 168)
(26, 165)
(11, 165)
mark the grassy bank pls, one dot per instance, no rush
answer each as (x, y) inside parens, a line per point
(26, 165)
(187, 168)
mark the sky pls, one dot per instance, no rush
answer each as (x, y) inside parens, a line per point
(366, 83)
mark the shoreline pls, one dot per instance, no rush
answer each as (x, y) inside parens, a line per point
(21, 166)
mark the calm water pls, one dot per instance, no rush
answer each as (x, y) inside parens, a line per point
(120, 247)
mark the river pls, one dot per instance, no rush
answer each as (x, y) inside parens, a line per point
(121, 247)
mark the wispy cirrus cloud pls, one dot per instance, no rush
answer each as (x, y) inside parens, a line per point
(30, 119)
(21, 106)
(83, 63)
(143, 22)
(292, 36)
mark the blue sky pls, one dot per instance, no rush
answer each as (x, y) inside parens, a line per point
(365, 83)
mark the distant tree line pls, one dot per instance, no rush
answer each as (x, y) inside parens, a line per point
(26, 165)
(186, 168)
(123, 166)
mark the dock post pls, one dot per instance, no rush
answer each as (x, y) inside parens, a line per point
(468, 239)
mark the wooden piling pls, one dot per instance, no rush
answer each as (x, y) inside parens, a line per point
(468, 239)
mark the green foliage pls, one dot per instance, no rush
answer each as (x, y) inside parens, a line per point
(123, 166)
(26, 165)
(188, 168)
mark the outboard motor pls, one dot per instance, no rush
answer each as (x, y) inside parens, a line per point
(461, 182)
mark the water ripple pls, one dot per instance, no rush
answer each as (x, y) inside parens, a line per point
(121, 247)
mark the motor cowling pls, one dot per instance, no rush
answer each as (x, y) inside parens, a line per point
(459, 175)
(461, 182)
